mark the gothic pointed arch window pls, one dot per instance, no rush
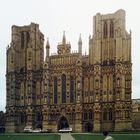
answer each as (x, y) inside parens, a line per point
(27, 38)
(110, 114)
(55, 90)
(22, 40)
(104, 114)
(111, 29)
(63, 77)
(90, 114)
(105, 29)
(71, 89)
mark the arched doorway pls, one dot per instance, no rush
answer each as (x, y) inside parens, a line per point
(63, 123)
(88, 127)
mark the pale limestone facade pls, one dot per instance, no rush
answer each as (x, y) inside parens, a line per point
(86, 92)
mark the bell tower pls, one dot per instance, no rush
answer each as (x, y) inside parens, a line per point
(110, 49)
(24, 60)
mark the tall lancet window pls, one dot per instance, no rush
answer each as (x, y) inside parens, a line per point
(111, 29)
(55, 90)
(63, 88)
(71, 89)
(22, 40)
(105, 29)
(27, 38)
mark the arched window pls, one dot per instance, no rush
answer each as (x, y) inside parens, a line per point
(111, 29)
(105, 115)
(63, 88)
(55, 90)
(22, 40)
(71, 89)
(110, 114)
(105, 30)
(90, 114)
(85, 115)
(27, 38)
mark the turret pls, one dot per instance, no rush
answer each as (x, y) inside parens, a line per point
(47, 49)
(80, 45)
(64, 38)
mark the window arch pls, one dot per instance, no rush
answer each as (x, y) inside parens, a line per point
(63, 88)
(55, 90)
(105, 29)
(111, 29)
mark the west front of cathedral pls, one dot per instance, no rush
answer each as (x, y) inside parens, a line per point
(88, 93)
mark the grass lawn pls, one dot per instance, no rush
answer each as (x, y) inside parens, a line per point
(29, 137)
(83, 136)
(101, 137)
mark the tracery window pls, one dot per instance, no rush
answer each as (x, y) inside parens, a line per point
(55, 90)
(63, 88)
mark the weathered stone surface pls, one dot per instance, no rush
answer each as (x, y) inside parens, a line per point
(86, 92)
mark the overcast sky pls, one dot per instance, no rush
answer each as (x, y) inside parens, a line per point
(73, 16)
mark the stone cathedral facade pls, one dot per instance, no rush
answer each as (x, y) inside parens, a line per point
(85, 92)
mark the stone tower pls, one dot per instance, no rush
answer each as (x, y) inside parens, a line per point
(110, 53)
(24, 76)
(86, 92)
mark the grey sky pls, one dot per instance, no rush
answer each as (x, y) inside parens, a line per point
(73, 16)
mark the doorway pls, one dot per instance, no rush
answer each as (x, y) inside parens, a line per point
(63, 123)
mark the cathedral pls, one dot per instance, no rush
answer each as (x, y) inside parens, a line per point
(88, 93)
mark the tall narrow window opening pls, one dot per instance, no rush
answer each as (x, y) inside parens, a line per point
(22, 40)
(71, 89)
(111, 29)
(105, 30)
(55, 90)
(63, 88)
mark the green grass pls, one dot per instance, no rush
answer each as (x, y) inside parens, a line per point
(87, 137)
(101, 137)
(116, 136)
(29, 137)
